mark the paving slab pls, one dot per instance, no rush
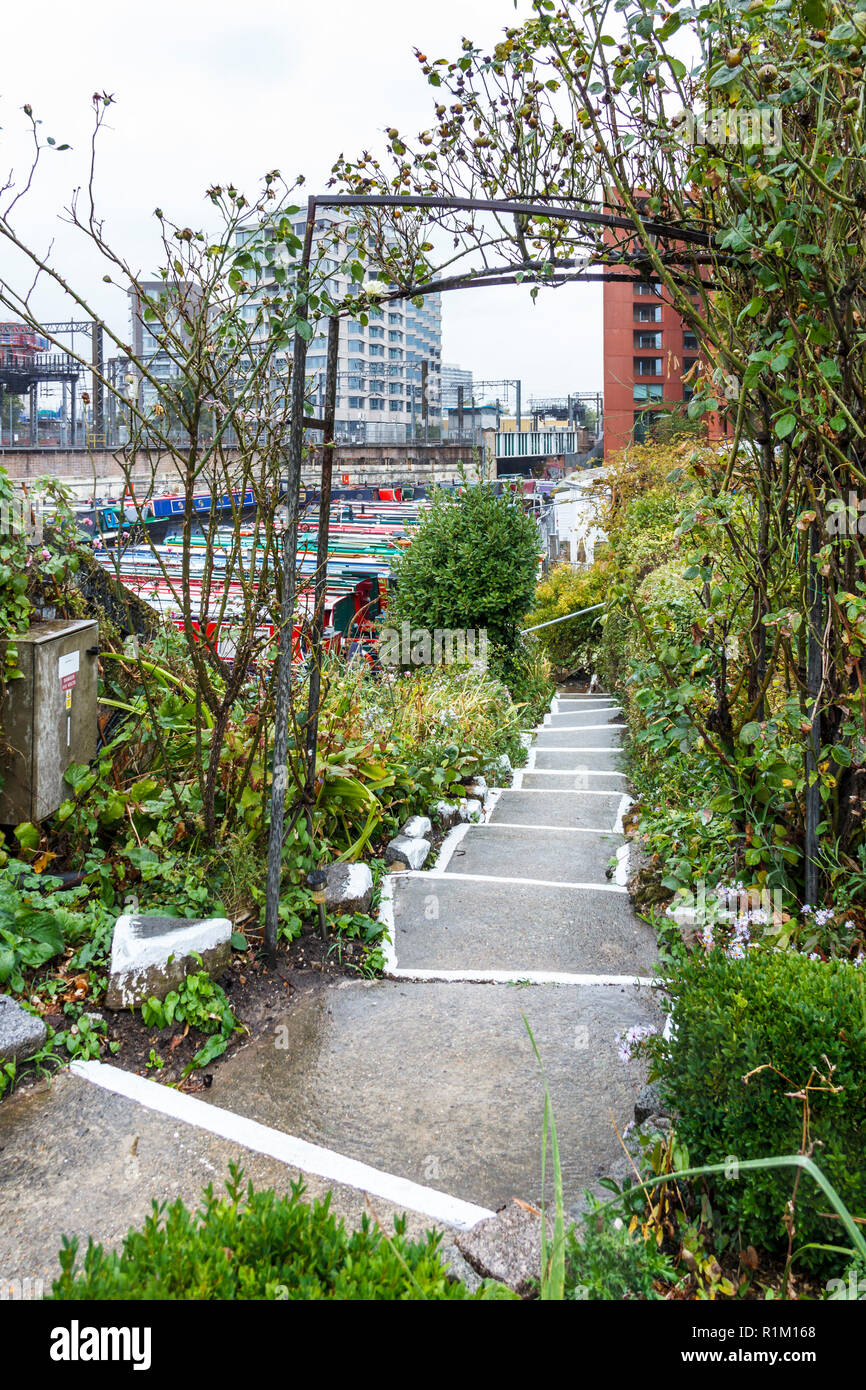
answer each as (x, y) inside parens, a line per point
(594, 760)
(518, 807)
(574, 781)
(78, 1160)
(609, 736)
(438, 1082)
(585, 719)
(566, 694)
(560, 856)
(443, 923)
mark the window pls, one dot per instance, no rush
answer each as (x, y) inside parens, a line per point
(644, 287)
(377, 388)
(356, 364)
(395, 388)
(647, 340)
(648, 313)
(356, 383)
(356, 402)
(377, 403)
(376, 350)
(648, 366)
(690, 342)
(395, 318)
(688, 392)
(395, 354)
(647, 393)
(396, 405)
(395, 371)
(688, 363)
(394, 336)
(356, 344)
(376, 332)
(315, 364)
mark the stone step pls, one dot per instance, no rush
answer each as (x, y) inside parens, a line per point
(564, 694)
(442, 923)
(516, 806)
(574, 782)
(78, 1160)
(438, 1083)
(557, 759)
(599, 698)
(609, 736)
(584, 719)
(556, 856)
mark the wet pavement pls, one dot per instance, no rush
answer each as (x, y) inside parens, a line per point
(77, 1160)
(449, 924)
(437, 1082)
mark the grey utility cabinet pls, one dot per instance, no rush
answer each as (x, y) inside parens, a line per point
(48, 717)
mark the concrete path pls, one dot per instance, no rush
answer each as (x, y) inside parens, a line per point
(430, 1074)
(420, 1088)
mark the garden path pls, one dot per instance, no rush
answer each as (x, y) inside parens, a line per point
(416, 1092)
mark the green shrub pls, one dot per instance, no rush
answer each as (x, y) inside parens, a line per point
(259, 1245)
(797, 1018)
(473, 564)
(605, 1260)
(574, 643)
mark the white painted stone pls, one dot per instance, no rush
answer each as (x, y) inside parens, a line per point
(349, 888)
(152, 955)
(476, 788)
(409, 851)
(471, 809)
(446, 813)
(416, 827)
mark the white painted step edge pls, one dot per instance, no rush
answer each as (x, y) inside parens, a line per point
(286, 1148)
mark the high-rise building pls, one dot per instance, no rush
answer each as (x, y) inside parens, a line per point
(384, 366)
(452, 377)
(647, 353)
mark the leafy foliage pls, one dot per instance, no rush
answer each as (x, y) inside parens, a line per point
(201, 1003)
(473, 564)
(252, 1244)
(606, 1259)
(574, 643)
(767, 1057)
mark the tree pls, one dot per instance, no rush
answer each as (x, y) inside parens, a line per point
(214, 412)
(473, 564)
(746, 206)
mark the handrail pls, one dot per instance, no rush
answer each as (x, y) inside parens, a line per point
(563, 619)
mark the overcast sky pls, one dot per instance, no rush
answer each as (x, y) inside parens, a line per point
(210, 91)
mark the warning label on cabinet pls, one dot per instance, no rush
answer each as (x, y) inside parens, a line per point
(67, 666)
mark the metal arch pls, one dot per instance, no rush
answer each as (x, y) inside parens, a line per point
(283, 673)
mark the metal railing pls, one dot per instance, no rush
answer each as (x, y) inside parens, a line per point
(564, 619)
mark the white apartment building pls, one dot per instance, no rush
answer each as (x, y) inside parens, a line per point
(382, 365)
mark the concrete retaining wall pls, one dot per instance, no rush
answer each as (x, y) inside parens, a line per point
(354, 464)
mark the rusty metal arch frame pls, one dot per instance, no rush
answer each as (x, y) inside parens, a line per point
(299, 423)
